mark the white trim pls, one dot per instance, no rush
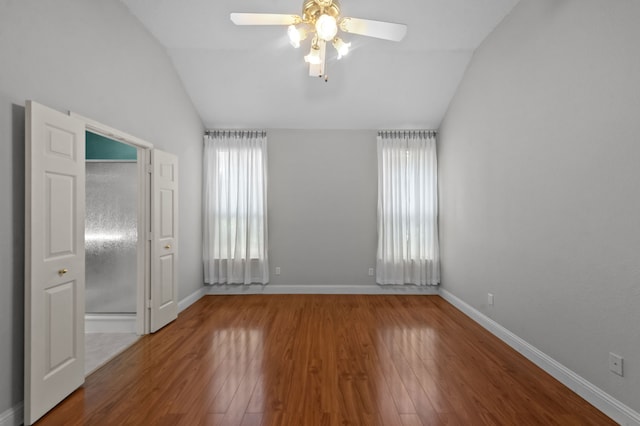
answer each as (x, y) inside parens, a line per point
(13, 416)
(144, 213)
(191, 299)
(143, 289)
(604, 402)
(320, 289)
(110, 132)
(110, 323)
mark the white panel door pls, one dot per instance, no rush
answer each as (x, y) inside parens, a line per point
(54, 258)
(164, 244)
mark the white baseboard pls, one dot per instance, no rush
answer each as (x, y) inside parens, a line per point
(319, 289)
(604, 402)
(191, 299)
(110, 323)
(13, 416)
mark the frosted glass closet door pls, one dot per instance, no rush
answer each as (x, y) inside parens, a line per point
(111, 236)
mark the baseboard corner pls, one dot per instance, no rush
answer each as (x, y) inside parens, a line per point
(191, 299)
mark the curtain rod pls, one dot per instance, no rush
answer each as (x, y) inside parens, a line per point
(209, 131)
(263, 130)
(408, 132)
(234, 134)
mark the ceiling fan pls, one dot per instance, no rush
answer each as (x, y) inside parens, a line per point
(321, 18)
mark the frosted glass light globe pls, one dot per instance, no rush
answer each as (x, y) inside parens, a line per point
(326, 27)
(294, 36)
(341, 47)
(313, 57)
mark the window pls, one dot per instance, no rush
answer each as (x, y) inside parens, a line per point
(408, 250)
(238, 207)
(235, 207)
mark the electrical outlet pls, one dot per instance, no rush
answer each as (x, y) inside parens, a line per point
(615, 364)
(370, 272)
(277, 270)
(490, 299)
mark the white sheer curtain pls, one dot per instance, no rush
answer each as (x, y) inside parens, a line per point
(408, 249)
(235, 207)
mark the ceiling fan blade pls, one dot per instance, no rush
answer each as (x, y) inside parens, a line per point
(264, 19)
(377, 29)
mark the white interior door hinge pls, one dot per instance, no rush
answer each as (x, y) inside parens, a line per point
(149, 304)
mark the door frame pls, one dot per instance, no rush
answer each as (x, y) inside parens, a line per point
(143, 274)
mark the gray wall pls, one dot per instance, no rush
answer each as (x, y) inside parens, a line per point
(322, 206)
(94, 58)
(539, 162)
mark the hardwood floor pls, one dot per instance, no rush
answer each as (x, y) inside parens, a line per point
(322, 360)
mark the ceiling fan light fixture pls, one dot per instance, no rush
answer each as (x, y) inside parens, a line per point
(326, 27)
(297, 33)
(341, 47)
(314, 55)
(294, 36)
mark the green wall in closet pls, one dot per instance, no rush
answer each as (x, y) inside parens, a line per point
(102, 148)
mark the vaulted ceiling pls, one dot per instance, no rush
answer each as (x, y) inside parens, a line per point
(251, 77)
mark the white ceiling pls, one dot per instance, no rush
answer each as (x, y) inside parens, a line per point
(250, 77)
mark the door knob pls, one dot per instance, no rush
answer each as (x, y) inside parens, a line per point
(63, 271)
(168, 246)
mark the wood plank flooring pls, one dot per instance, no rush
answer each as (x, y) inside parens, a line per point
(322, 360)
